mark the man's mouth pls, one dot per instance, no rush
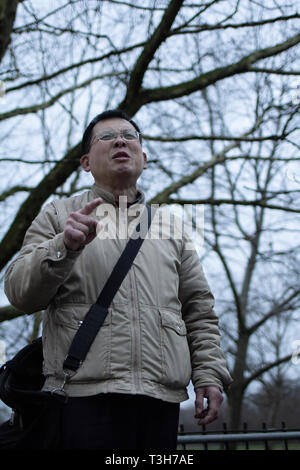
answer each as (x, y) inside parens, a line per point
(120, 155)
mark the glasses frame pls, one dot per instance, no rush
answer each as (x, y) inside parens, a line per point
(120, 133)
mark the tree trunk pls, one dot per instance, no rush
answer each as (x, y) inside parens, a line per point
(8, 10)
(235, 403)
(237, 389)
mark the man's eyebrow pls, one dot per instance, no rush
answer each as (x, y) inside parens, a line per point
(123, 129)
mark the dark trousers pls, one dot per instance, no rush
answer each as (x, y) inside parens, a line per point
(119, 422)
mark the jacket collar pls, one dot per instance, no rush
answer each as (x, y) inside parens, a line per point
(109, 197)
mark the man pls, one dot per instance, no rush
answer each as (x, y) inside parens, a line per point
(161, 329)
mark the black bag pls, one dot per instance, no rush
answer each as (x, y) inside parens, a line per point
(21, 380)
(35, 421)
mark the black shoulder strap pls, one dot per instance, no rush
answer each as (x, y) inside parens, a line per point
(96, 315)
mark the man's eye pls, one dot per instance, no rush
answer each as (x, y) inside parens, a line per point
(129, 135)
(107, 136)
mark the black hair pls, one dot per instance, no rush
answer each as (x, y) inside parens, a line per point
(112, 113)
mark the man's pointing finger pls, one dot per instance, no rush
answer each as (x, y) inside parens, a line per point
(90, 206)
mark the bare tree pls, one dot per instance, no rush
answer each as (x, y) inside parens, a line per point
(214, 85)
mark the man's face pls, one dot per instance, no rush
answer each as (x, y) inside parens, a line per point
(117, 162)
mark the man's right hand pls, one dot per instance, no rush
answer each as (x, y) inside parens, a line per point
(80, 228)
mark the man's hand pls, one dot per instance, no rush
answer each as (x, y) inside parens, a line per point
(80, 228)
(214, 401)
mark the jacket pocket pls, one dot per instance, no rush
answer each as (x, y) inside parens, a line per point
(175, 350)
(151, 344)
(59, 332)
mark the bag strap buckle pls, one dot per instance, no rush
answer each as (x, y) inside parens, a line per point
(61, 390)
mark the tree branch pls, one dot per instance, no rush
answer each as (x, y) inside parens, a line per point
(216, 159)
(245, 24)
(284, 305)
(12, 191)
(9, 313)
(32, 205)
(275, 71)
(209, 78)
(217, 202)
(214, 137)
(91, 60)
(264, 369)
(158, 37)
(53, 100)
(164, 195)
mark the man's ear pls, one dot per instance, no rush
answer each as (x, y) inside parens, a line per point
(145, 160)
(85, 162)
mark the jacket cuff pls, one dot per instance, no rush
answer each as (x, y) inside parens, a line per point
(208, 380)
(58, 252)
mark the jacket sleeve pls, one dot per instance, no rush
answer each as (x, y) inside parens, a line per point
(42, 265)
(207, 358)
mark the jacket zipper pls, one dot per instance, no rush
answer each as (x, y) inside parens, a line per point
(135, 335)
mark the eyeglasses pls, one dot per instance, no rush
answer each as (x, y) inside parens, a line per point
(108, 135)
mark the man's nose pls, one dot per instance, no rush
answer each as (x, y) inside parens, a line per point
(119, 141)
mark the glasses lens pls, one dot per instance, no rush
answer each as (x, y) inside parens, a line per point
(127, 134)
(130, 135)
(107, 135)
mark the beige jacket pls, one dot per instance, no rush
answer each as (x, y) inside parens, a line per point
(161, 330)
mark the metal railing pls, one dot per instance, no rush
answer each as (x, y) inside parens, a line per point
(266, 439)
